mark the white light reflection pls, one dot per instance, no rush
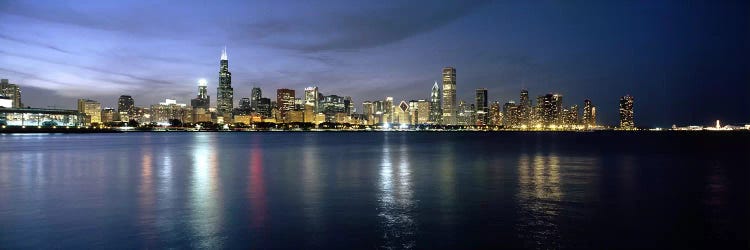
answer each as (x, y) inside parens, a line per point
(205, 213)
(396, 203)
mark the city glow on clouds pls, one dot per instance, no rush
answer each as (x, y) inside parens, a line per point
(59, 51)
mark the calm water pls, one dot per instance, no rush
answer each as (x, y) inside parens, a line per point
(375, 190)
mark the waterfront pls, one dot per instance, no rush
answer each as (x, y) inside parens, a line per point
(375, 190)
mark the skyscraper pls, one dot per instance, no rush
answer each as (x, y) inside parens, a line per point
(557, 100)
(12, 92)
(589, 113)
(311, 98)
(91, 109)
(509, 114)
(255, 96)
(225, 92)
(449, 96)
(285, 101)
(202, 100)
(125, 108)
(627, 119)
(524, 108)
(495, 116)
(482, 107)
(435, 112)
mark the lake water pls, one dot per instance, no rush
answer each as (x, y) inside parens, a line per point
(371, 190)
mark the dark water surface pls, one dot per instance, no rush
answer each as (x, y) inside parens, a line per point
(375, 190)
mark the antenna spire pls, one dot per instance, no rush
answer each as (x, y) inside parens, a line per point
(224, 53)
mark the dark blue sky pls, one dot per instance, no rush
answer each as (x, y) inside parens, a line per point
(686, 62)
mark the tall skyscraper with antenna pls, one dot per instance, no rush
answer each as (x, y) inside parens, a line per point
(225, 92)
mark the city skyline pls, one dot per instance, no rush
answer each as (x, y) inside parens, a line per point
(585, 51)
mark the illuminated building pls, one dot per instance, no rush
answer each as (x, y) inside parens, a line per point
(91, 109)
(201, 103)
(264, 107)
(524, 108)
(309, 114)
(125, 108)
(245, 105)
(108, 115)
(422, 112)
(589, 113)
(41, 117)
(6, 102)
(449, 96)
(570, 115)
(12, 92)
(168, 110)
(509, 114)
(557, 100)
(551, 109)
(495, 115)
(348, 105)
(284, 102)
(482, 107)
(435, 112)
(311, 98)
(368, 110)
(627, 120)
(224, 92)
(331, 105)
(255, 96)
(401, 113)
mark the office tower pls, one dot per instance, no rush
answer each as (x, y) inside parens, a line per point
(524, 108)
(547, 109)
(388, 109)
(367, 109)
(348, 106)
(12, 92)
(482, 107)
(125, 108)
(284, 101)
(108, 115)
(91, 109)
(423, 112)
(264, 107)
(225, 92)
(202, 100)
(557, 100)
(589, 113)
(245, 104)
(495, 116)
(449, 96)
(509, 114)
(435, 112)
(401, 113)
(311, 98)
(627, 120)
(255, 96)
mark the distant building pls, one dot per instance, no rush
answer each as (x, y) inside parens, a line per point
(202, 100)
(311, 98)
(224, 92)
(449, 96)
(524, 109)
(91, 109)
(436, 113)
(125, 108)
(255, 96)
(589, 113)
(12, 92)
(627, 119)
(367, 110)
(108, 115)
(284, 101)
(246, 105)
(495, 115)
(422, 113)
(40, 117)
(169, 110)
(482, 107)
(265, 107)
(509, 114)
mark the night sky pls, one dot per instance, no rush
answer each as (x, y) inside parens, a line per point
(685, 62)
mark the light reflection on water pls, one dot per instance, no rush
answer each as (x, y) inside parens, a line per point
(396, 203)
(206, 217)
(354, 190)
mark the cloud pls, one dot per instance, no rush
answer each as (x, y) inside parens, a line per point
(353, 30)
(35, 43)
